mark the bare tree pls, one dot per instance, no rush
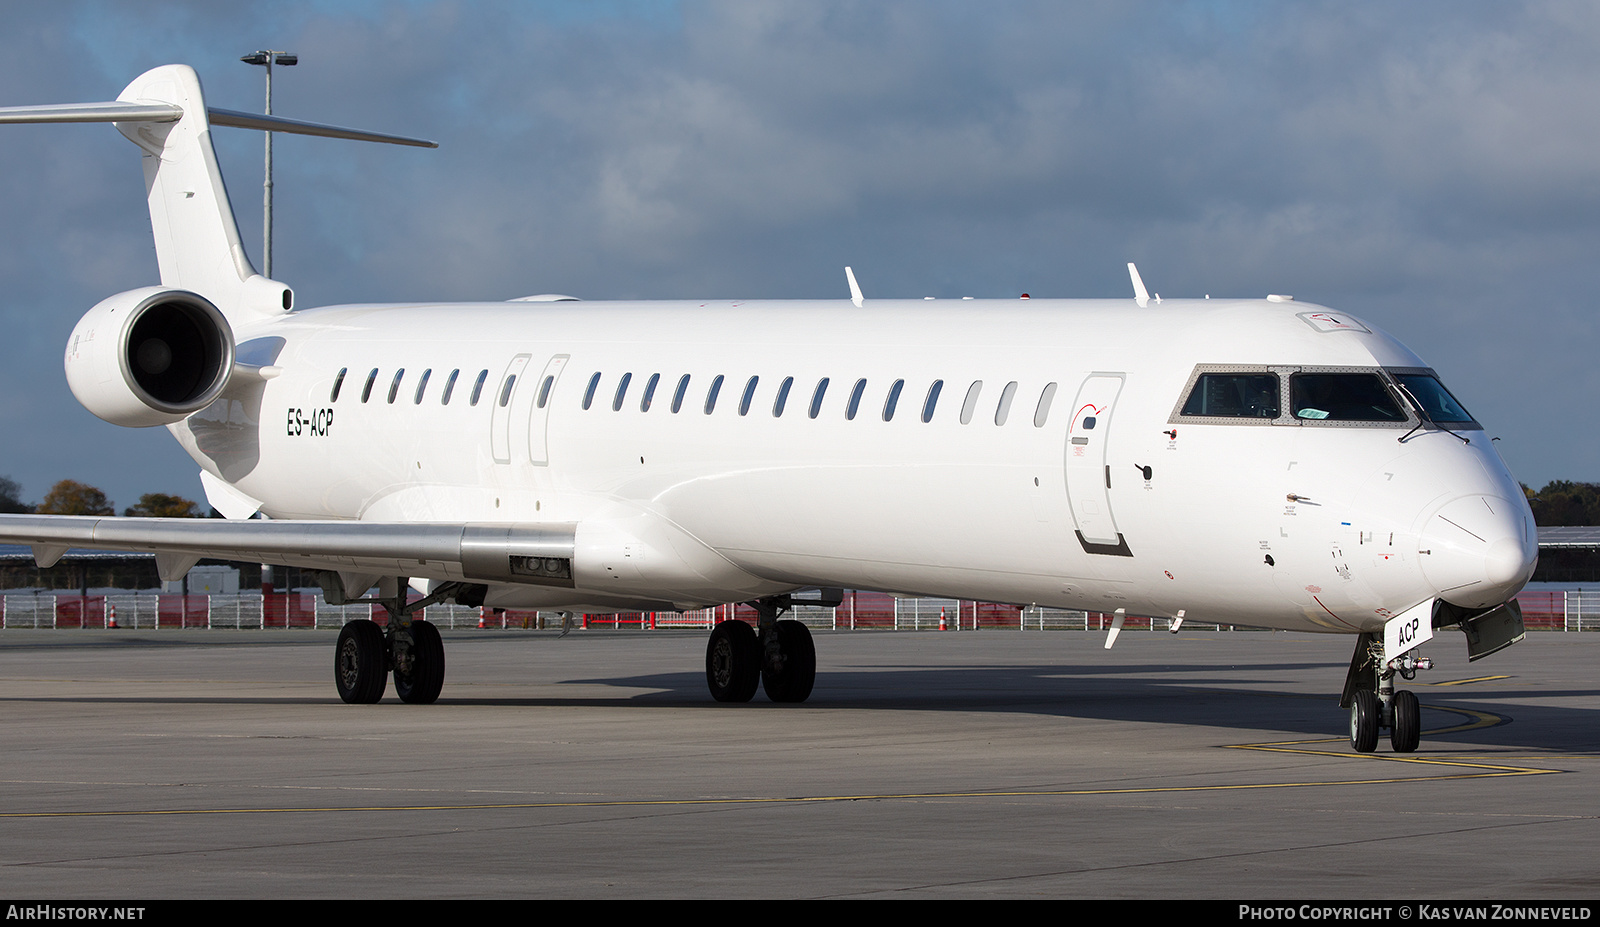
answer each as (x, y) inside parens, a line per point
(11, 497)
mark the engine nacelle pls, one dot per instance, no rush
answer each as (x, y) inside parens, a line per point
(150, 356)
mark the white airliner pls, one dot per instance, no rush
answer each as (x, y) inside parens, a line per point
(1247, 461)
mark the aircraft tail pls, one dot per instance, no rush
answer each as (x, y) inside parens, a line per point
(163, 111)
(197, 240)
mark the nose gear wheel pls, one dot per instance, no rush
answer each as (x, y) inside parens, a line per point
(1365, 717)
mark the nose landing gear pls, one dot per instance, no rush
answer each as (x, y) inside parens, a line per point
(1374, 703)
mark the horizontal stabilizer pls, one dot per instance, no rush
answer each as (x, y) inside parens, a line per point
(115, 111)
(121, 111)
(228, 117)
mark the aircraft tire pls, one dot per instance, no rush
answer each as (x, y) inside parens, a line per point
(359, 666)
(1365, 714)
(1406, 730)
(733, 662)
(793, 682)
(421, 686)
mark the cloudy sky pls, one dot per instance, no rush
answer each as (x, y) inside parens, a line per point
(1431, 167)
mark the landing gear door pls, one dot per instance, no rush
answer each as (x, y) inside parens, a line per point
(500, 422)
(538, 423)
(1088, 473)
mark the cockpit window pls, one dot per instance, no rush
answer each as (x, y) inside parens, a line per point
(1234, 395)
(1435, 400)
(1342, 397)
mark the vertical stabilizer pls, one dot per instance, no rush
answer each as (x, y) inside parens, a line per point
(197, 239)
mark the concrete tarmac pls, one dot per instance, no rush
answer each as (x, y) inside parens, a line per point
(221, 764)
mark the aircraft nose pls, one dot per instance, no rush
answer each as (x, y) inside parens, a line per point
(1479, 551)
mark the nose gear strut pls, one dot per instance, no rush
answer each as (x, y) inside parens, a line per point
(1374, 704)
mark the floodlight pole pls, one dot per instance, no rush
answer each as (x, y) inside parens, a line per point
(267, 58)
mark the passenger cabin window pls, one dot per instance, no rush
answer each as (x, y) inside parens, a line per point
(1234, 395)
(1042, 413)
(892, 400)
(783, 396)
(1342, 397)
(505, 391)
(816, 397)
(366, 391)
(338, 381)
(1435, 400)
(422, 386)
(622, 392)
(649, 392)
(588, 393)
(449, 387)
(1003, 410)
(394, 388)
(931, 401)
(477, 386)
(711, 394)
(680, 392)
(855, 400)
(970, 404)
(544, 389)
(749, 394)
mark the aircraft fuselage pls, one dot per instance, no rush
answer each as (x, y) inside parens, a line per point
(1091, 490)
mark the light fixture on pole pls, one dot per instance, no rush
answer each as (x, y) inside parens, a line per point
(267, 58)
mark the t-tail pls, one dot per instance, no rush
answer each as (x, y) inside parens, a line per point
(164, 112)
(155, 355)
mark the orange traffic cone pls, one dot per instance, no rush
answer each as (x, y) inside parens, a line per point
(481, 611)
(942, 625)
(111, 616)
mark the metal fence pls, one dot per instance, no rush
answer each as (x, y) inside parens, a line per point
(1558, 610)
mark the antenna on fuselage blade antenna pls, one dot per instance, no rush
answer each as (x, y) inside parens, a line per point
(1140, 294)
(855, 288)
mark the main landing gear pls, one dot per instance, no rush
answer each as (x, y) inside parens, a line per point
(780, 655)
(410, 647)
(1374, 704)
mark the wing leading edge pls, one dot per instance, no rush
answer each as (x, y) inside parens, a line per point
(463, 552)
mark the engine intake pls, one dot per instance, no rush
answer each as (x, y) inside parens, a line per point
(150, 356)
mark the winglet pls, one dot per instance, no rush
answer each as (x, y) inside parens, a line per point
(855, 288)
(1140, 294)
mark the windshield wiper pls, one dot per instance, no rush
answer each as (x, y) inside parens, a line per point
(1423, 417)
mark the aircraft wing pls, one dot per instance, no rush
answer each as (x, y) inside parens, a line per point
(487, 553)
